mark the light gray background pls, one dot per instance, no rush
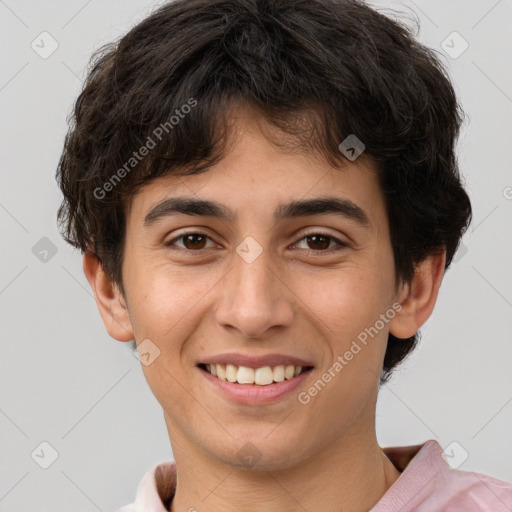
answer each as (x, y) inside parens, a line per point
(63, 380)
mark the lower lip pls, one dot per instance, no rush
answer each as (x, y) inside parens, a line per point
(254, 394)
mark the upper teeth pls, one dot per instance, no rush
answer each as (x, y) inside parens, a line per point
(262, 376)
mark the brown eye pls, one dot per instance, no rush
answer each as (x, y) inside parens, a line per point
(318, 241)
(321, 242)
(193, 242)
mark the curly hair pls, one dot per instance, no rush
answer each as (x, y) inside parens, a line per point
(341, 65)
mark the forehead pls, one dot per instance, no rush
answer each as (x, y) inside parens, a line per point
(260, 173)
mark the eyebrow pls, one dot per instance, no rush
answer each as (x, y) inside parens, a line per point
(300, 208)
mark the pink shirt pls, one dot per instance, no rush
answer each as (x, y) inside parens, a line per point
(427, 484)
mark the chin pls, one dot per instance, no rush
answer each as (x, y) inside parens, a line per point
(261, 455)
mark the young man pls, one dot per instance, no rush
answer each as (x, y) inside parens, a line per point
(267, 198)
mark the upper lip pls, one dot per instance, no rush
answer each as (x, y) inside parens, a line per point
(255, 361)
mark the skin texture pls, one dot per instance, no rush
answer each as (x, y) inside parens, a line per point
(322, 456)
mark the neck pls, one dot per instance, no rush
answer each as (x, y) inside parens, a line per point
(350, 474)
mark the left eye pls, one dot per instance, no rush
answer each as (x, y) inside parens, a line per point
(322, 241)
(196, 242)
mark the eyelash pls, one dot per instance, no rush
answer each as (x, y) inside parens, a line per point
(341, 245)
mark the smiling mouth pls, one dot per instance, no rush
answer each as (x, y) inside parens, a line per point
(254, 376)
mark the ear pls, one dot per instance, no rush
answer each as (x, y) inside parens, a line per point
(110, 301)
(418, 297)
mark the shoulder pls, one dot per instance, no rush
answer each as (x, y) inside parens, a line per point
(428, 483)
(468, 490)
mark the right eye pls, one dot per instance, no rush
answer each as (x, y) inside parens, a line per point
(192, 241)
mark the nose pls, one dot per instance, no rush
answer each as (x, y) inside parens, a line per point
(254, 298)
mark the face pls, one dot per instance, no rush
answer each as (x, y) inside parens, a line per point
(266, 280)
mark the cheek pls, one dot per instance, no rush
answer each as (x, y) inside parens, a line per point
(166, 309)
(343, 301)
(161, 298)
(346, 306)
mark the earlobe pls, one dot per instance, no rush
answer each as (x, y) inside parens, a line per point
(418, 297)
(110, 302)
